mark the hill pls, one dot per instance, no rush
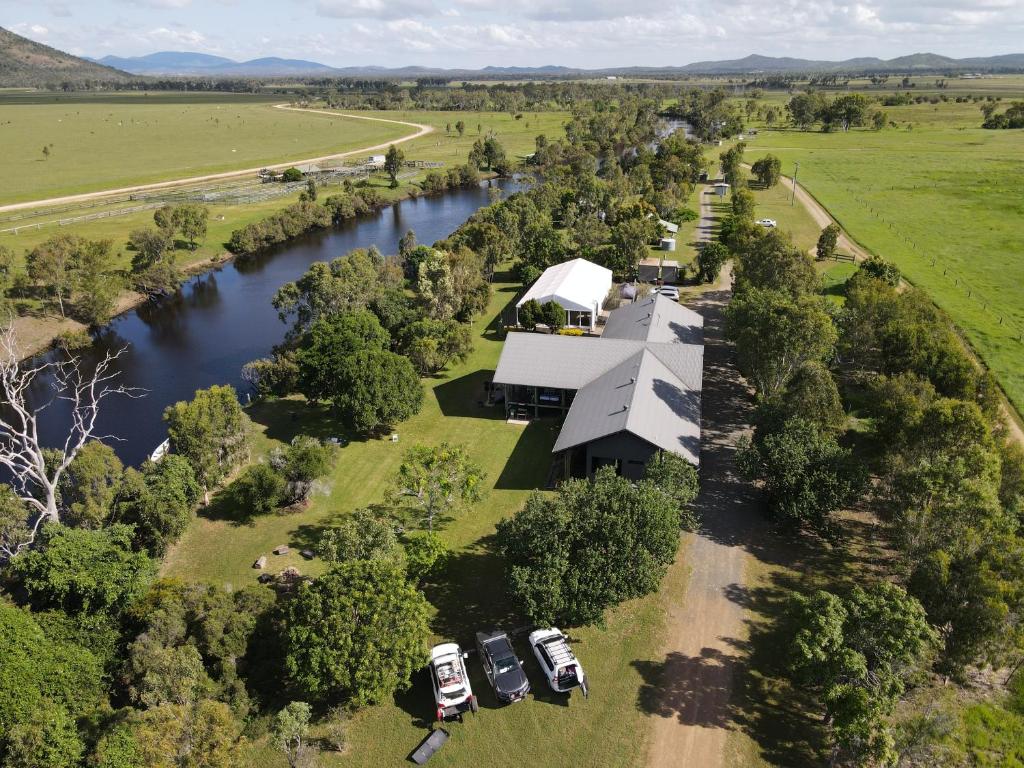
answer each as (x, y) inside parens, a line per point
(191, 63)
(26, 63)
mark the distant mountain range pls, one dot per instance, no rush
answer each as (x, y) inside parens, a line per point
(26, 63)
(189, 63)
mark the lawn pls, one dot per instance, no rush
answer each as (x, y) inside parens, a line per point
(609, 729)
(943, 200)
(121, 140)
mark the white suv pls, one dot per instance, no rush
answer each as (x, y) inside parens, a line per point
(452, 691)
(769, 223)
(558, 662)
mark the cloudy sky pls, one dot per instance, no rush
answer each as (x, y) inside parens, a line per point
(475, 33)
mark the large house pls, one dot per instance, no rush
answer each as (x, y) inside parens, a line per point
(577, 286)
(624, 396)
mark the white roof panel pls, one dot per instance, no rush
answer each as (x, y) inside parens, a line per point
(578, 284)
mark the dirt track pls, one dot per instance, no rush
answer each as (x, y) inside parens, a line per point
(700, 652)
(421, 130)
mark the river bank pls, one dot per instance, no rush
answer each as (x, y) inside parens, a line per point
(36, 332)
(222, 317)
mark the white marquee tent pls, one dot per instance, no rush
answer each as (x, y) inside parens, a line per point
(578, 286)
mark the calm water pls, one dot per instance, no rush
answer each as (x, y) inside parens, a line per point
(218, 322)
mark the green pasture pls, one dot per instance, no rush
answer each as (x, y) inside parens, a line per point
(607, 730)
(98, 144)
(944, 200)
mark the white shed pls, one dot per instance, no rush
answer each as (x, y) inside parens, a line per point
(578, 286)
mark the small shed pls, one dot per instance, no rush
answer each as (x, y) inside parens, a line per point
(377, 161)
(668, 226)
(721, 189)
(578, 286)
(651, 270)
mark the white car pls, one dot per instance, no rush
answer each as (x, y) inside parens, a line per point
(669, 292)
(559, 664)
(452, 691)
(770, 223)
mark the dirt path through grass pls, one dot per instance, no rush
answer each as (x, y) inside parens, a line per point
(704, 633)
(421, 130)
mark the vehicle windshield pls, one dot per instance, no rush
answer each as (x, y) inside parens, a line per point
(458, 693)
(504, 664)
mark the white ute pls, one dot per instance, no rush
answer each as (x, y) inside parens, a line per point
(559, 664)
(452, 691)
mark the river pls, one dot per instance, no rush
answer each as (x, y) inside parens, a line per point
(219, 321)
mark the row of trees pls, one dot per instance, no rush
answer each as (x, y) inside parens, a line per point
(947, 483)
(845, 111)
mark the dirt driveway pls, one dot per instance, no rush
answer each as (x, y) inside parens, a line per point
(691, 709)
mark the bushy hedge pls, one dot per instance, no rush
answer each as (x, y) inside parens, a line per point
(291, 222)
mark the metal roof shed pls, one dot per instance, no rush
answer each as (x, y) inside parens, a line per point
(578, 286)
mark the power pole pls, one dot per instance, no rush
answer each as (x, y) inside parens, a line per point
(792, 198)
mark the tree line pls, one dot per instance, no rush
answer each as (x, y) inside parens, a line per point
(929, 453)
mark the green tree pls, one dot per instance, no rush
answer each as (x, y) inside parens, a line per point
(260, 489)
(362, 535)
(590, 546)
(710, 259)
(777, 335)
(204, 734)
(291, 175)
(211, 432)
(436, 481)
(732, 165)
(81, 572)
(150, 246)
(96, 283)
(768, 170)
(431, 345)
(54, 263)
(355, 634)
(880, 269)
(848, 110)
(425, 555)
(742, 203)
(460, 126)
(629, 239)
(855, 655)
(329, 342)
(163, 217)
(290, 731)
(807, 476)
(494, 153)
(812, 394)
(375, 390)
(477, 158)
(552, 315)
(48, 738)
(157, 502)
(393, 164)
(677, 477)
(773, 262)
(45, 686)
(191, 220)
(301, 464)
(827, 241)
(90, 485)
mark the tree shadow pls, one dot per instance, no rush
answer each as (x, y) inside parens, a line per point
(528, 466)
(692, 689)
(466, 397)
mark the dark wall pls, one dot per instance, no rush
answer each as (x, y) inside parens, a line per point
(628, 451)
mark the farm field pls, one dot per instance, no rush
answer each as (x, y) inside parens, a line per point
(103, 142)
(943, 200)
(609, 729)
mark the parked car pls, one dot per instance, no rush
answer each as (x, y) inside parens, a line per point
(559, 664)
(669, 292)
(452, 692)
(501, 665)
(770, 223)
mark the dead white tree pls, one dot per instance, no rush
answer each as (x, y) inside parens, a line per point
(35, 470)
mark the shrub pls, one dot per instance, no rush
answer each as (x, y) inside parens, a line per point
(260, 489)
(570, 331)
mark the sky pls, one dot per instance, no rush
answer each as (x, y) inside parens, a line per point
(477, 33)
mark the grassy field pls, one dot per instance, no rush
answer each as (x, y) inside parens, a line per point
(102, 143)
(606, 730)
(942, 199)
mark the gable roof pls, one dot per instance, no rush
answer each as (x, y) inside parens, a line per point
(657, 319)
(642, 396)
(576, 284)
(642, 376)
